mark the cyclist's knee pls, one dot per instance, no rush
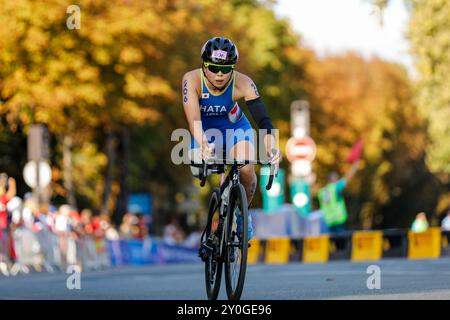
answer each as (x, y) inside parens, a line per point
(249, 179)
(248, 173)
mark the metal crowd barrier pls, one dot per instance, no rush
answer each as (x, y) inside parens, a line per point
(45, 250)
(48, 251)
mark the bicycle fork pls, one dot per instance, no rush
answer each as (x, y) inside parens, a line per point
(207, 247)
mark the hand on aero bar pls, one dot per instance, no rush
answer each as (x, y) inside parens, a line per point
(207, 150)
(275, 156)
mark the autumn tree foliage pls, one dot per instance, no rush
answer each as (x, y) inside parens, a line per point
(109, 93)
(355, 98)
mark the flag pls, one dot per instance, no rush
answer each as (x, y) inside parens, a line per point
(355, 154)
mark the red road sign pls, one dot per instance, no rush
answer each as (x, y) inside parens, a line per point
(301, 149)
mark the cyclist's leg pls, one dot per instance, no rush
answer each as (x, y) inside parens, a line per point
(241, 146)
(244, 150)
(247, 175)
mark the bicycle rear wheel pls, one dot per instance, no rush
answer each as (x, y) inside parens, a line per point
(213, 263)
(236, 245)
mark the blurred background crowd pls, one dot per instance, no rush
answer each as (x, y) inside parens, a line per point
(45, 237)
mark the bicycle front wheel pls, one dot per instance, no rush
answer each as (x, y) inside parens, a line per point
(236, 244)
(213, 263)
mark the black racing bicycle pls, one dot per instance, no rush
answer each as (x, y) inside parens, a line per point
(223, 241)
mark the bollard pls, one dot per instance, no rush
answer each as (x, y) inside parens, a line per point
(253, 255)
(424, 245)
(367, 246)
(316, 249)
(277, 250)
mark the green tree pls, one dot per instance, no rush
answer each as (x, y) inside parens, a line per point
(429, 35)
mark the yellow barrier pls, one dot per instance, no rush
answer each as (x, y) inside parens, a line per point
(316, 249)
(254, 251)
(424, 245)
(277, 250)
(367, 246)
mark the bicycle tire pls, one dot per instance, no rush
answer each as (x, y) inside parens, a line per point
(238, 198)
(212, 289)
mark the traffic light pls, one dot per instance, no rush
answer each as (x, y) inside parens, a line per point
(273, 199)
(301, 196)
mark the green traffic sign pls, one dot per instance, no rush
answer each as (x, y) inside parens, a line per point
(301, 196)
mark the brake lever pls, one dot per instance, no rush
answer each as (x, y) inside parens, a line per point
(276, 167)
(203, 174)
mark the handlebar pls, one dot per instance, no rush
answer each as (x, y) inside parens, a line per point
(269, 184)
(213, 162)
(203, 173)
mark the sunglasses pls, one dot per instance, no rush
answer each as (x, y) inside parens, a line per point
(215, 68)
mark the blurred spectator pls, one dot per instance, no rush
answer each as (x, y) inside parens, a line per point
(28, 213)
(62, 220)
(193, 239)
(85, 231)
(142, 227)
(63, 229)
(86, 226)
(445, 225)
(27, 245)
(15, 207)
(420, 224)
(7, 192)
(45, 239)
(331, 199)
(126, 228)
(109, 230)
(101, 224)
(134, 226)
(173, 234)
(51, 217)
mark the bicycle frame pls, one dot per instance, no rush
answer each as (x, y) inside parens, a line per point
(231, 180)
(224, 196)
(219, 245)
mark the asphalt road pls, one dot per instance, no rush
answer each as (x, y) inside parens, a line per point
(399, 279)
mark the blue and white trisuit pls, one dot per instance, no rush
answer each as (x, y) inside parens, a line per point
(223, 121)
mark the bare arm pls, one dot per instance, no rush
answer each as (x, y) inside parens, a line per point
(12, 188)
(250, 91)
(352, 171)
